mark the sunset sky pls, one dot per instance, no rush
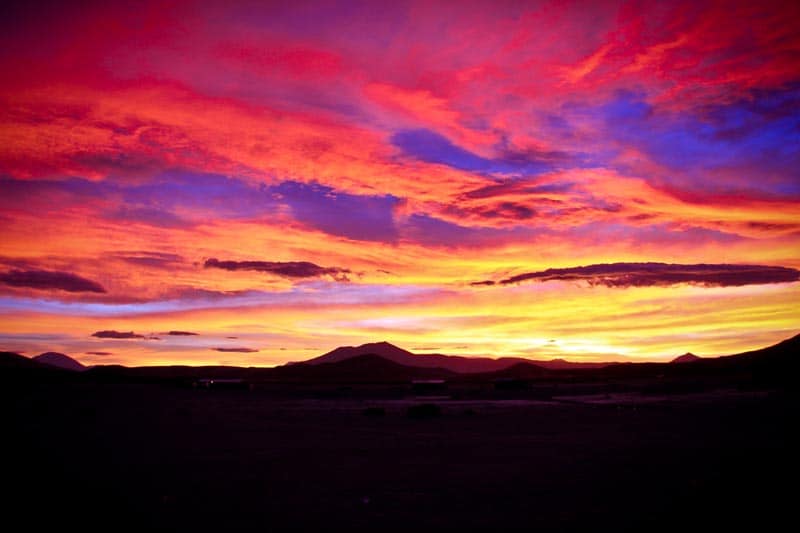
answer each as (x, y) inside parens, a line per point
(585, 180)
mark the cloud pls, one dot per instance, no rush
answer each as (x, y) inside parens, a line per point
(286, 269)
(659, 274)
(99, 353)
(506, 210)
(180, 333)
(431, 147)
(240, 350)
(46, 279)
(354, 216)
(433, 231)
(149, 259)
(112, 334)
(144, 215)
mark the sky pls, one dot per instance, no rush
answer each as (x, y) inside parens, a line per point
(252, 183)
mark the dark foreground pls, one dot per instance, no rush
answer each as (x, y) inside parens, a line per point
(158, 457)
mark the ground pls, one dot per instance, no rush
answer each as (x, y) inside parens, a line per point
(162, 457)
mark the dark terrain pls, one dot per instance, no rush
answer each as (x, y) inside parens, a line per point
(621, 448)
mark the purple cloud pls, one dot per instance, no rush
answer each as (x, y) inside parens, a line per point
(180, 333)
(112, 334)
(358, 217)
(240, 350)
(659, 274)
(287, 269)
(46, 279)
(146, 215)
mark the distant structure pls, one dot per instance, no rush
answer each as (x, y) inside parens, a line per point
(222, 384)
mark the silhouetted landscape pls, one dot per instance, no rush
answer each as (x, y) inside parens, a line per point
(377, 438)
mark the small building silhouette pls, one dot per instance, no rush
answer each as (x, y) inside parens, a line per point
(222, 384)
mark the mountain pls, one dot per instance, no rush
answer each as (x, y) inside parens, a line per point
(384, 349)
(59, 360)
(15, 360)
(688, 357)
(454, 363)
(783, 356)
(517, 371)
(371, 368)
(562, 364)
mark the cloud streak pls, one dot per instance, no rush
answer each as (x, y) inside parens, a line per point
(113, 334)
(50, 280)
(659, 274)
(285, 269)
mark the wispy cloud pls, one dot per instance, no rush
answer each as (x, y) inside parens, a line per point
(658, 274)
(113, 334)
(286, 269)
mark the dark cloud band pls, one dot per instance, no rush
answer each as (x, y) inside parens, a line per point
(112, 334)
(46, 279)
(659, 274)
(288, 269)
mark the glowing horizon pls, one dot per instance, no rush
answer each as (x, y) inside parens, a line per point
(587, 181)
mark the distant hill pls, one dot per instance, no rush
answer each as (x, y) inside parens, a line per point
(562, 364)
(384, 349)
(517, 371)
(59, 360)
(368, 368)
(454, 363)
(688, 357)
(783, 356)
(15, 360)
(385, 363)
(359, 368)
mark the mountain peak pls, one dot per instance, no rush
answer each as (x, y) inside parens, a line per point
(382, 344)
(688, 357)
(59, 360)
(383, 348)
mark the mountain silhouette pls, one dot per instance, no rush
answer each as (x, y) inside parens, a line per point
(384, 349)
(359, 368)
(454, 363)
(517, 371)
(383, 362)
(781, 358)
(15, 360)
(59, 360)
(563, 364)
(688, 357)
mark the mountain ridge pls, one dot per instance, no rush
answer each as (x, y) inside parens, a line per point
(454, 363)
(775, 363)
